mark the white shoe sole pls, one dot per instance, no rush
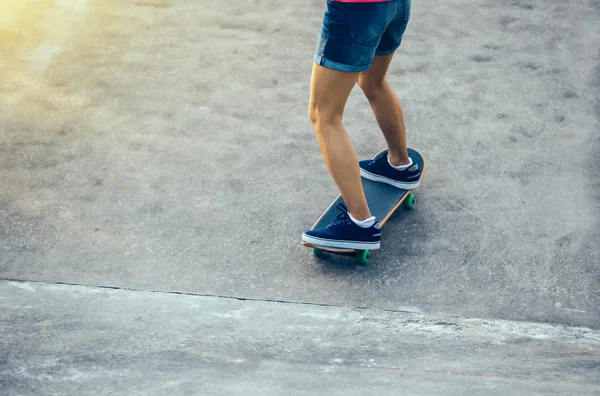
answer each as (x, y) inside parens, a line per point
(328, 243)
(391, 182)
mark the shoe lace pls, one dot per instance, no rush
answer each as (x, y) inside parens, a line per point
(343, 216)
(381, 159)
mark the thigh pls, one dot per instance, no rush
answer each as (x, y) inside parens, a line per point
(376, 74)
(329, 91)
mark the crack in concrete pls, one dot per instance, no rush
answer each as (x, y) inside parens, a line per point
(316, 304)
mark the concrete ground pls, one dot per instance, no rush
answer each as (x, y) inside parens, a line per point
(164, 146)
(81, 340)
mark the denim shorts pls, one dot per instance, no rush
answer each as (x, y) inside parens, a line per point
(354, 33)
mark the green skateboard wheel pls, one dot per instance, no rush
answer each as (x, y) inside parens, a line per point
(409, 202)
(363, 256)
(318, 252)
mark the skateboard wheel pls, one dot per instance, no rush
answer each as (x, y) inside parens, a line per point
(409, 202)
(363, 256)
(318, 252)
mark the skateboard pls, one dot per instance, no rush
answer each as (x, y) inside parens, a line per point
(383, 200)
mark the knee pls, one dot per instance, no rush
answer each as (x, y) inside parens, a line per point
(372, 88)
(313, 113)
(321, 116)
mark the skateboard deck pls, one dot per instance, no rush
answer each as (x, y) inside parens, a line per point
(383, 200)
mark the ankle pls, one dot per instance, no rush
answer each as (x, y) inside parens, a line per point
(360, 215)
(364, 223)
(399, 160)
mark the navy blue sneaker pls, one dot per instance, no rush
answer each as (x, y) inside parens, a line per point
(343, 233)
(380, 170)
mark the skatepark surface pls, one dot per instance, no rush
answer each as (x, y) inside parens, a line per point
(157, 169)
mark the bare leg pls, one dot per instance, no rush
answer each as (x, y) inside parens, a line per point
(328, 96)
(386, 107)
